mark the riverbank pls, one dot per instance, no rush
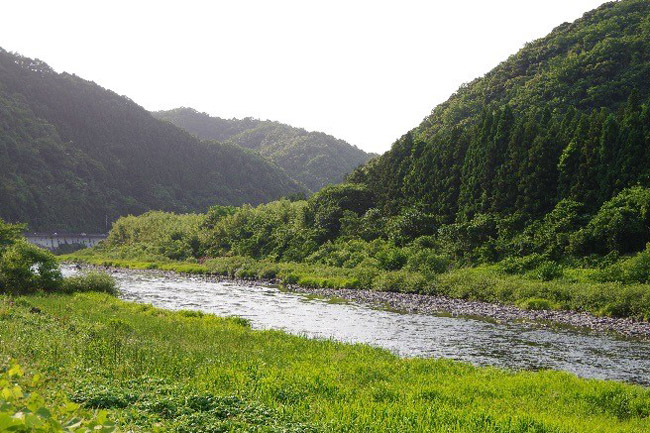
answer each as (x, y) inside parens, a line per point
(419, 303)
(187, 371)
(428, 304)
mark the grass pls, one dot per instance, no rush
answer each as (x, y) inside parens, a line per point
(543, 286)
(487, 283)
(184, 371)
(90, 282)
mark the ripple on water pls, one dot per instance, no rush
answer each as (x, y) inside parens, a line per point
(483, 342)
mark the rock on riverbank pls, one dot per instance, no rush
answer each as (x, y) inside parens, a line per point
(427, 304)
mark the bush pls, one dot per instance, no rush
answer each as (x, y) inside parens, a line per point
(427, 261)
(411, 223)
(622, 224)
(274, 230)
(401, 281)
(472, 241)
(267, 273)
(159, 234)
(551, 235)
(326, 208)
(25, 268)
(520, 265)
(91, 282)
(344, 254)
(635, 269)
(391, 258)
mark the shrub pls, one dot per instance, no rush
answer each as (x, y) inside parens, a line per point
(473, 241)
(412, 222)
(156, 233)
(391, 258)
(290, 279)
(274, 230)
(346, 254)
(622, 224)
(427, 261)
(25, 268)
(326, 208)
(520, 265)
(267, 272)
(635, 269)
(401, 281)
(551, 235)
(245, 274)
(91, 282)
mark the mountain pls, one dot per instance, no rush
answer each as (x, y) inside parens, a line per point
(567, 117)
(313, 158)
(74, 155)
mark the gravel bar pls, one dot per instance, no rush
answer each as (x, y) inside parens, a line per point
(430, 304)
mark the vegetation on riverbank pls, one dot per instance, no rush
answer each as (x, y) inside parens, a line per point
(569, 259)
(576, 291)
(186, 371)
(25, 268)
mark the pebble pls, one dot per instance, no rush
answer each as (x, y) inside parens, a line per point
(430, 304)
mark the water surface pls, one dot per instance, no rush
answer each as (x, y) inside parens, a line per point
(482, 342)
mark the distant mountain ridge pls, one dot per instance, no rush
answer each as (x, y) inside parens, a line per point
(313, 158)
(74, 155)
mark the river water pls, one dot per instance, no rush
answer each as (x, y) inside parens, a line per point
(481, 342)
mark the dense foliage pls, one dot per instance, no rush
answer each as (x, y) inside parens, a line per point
(314, 159)
(74, 156)
(158, 234)
(567, 117)
(25, 268)
(184, 371)
(567, 259)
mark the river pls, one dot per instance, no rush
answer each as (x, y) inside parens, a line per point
(512, 345)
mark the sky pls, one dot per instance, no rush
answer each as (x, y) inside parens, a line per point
(363, 71)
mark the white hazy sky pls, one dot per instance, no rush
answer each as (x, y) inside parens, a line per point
(364, 71)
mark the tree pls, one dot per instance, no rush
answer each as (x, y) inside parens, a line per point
(326, 208)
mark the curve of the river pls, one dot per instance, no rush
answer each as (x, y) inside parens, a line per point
(481, 342)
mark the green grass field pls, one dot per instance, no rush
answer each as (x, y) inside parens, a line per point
(184, 371)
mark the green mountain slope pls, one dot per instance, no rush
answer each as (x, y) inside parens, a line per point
(313, 158)
(565, 117)
(73, 154)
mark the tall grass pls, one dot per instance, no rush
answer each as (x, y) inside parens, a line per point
(90, 282)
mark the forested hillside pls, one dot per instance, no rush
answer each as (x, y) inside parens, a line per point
(567, 117)
(74, 155)
(313, 158)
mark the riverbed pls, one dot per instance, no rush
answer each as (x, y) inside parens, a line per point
(515, 345)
